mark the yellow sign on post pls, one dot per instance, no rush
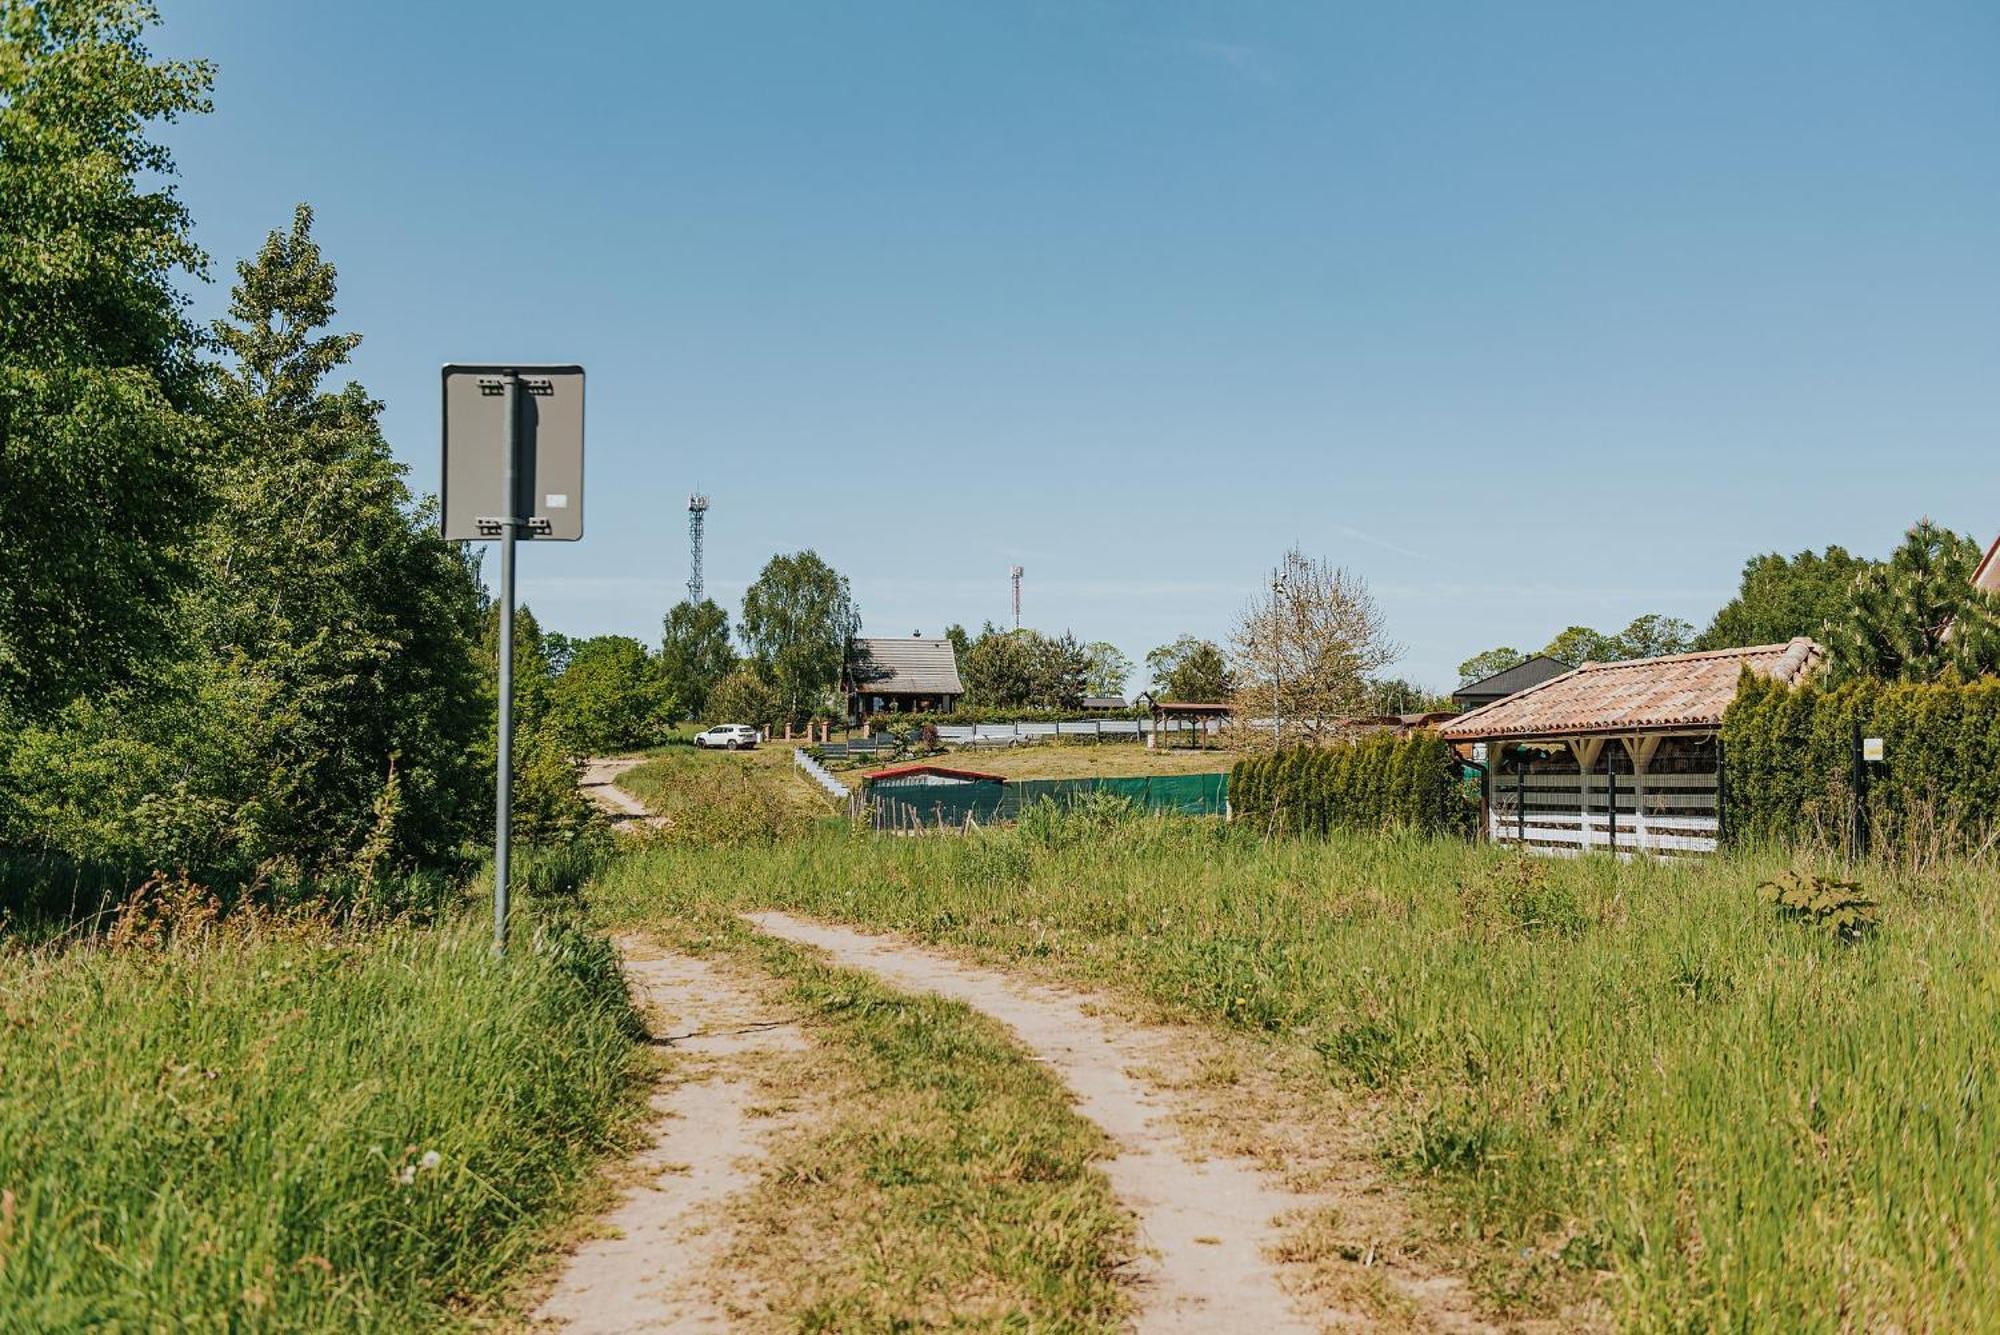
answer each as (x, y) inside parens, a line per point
(1871, 748)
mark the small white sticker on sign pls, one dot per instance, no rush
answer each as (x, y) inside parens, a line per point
(1871, 748)
(556, 500)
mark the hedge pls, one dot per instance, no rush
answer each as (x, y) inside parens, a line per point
(970, 714)
(1377, 782)
(1788, 763)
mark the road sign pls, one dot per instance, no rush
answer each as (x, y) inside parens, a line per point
(548, 471)
(513, 468)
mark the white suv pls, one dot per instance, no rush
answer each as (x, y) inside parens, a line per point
(727, 736)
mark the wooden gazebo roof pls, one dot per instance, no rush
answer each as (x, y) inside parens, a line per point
(1678, 693)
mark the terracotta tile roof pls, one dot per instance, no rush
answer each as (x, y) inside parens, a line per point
(1641, 695)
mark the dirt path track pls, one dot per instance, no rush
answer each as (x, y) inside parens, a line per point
(645, 1273)
(1211, 1222)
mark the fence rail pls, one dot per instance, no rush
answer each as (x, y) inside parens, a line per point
(1002, 733)
(819, 775)
(1623, 813)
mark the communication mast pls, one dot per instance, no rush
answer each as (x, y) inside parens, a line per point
(697, 515)
(1015, 574)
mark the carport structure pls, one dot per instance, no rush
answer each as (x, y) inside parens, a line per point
(1621, 756)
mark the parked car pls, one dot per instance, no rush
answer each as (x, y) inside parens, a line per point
(727, 737)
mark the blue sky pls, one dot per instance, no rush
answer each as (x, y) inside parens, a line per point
(1531, 314)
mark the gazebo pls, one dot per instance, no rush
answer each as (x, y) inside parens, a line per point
(1622, 756)
(1201, 717)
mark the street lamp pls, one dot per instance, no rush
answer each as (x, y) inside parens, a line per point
(1277, 660)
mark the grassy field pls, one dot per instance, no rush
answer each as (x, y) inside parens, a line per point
(283, 1125)
(1633, 1079)
(711, 796)
(941, 1179)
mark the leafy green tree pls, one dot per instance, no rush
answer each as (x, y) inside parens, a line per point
(798, 620)
(1106, 670)
(743, 697)
(100, 438)
(1190, 669)
(695, 653)
(1396, 695)
(961, 641)
(1489, 663)
(534, 673)
(1062, 672)
(1581, 644)
(610, 697)
(334, 629)
(1781, 598)
(999, 669)
(1654, 636)
(1917, 616)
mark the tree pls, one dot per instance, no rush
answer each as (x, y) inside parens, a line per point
(1917, 616)
(1654, 636)
(798, 621)
(1489, 663)
(1312, 646)
(1581, 644)
(1780, 599)
(960, 640)
(695, 653)
(1106, 670)
(1190, 669)
(743, 697)
(331, 697)
(1395, 695)
(1000, 669)
(100, 438)
(610, 697)
(1062, 672)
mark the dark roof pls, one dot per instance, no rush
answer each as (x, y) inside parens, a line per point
(1528, 672)
(1191, 707)
(925, 767)
(1104, 702)
(1638, 695)
(905, 666)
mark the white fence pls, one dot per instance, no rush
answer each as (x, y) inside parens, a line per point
(818, 774)
(1623, 813)
(1003, 734)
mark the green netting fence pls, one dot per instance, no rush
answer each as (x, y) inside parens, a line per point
(909, 806)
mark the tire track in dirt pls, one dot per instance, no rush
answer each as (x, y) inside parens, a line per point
(599, 782)
(646, 1272)
(1212, 1223)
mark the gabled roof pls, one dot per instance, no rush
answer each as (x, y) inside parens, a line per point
(905, 666)
(1528, 672)
(1640, 695)
(1987, 576)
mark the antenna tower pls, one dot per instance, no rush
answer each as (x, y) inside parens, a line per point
(697, 516)
(1015, 574)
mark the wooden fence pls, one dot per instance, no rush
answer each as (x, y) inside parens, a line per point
(1623, 813)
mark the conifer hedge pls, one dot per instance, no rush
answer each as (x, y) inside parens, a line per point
(1378, 782)
(1788, 757)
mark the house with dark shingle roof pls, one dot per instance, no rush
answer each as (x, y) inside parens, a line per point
(1622, 755)
(902, 676)
(1528, 672)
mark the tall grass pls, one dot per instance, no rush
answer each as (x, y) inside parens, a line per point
(1638, 1069)
(270, 1124)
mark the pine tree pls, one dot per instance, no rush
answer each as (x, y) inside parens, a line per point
(1917, 616)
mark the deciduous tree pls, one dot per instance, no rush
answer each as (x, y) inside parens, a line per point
(1780, 598)
(798, 621)
(695, 653)
(1190, 669)
(1311, 647)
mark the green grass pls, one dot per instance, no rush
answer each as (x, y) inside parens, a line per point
(712, 797)
(1637, 1069)
(233, 1129)
(941, 1179)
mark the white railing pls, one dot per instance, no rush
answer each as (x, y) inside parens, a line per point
(1567, 813)
(819, 775)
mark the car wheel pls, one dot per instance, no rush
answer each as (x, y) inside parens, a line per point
(733, 743)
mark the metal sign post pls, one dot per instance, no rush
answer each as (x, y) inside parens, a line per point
(510, 430)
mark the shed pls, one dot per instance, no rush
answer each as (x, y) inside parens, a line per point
(1104, 704)
(1528, 672)
(926, 775)
(1624, 755)
(902, 676)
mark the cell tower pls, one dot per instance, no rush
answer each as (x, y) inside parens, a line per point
(1015, 574)
(697, 515)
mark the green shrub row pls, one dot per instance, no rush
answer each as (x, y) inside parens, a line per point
(1377, 782)
(1788, 763)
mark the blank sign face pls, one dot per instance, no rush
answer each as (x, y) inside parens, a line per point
(548, 483)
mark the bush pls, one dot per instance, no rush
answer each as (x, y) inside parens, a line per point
(1788, 763)
(1378, 782)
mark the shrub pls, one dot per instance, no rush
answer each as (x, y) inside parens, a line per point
(1377, 782)
(1788, 763)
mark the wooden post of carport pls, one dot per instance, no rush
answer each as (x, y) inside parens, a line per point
(1586, 750)
(1641, 749)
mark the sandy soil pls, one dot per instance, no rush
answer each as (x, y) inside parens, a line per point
(645, 1270)
(599, 782)
(1211, 1222)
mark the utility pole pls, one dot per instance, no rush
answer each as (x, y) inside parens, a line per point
(1015, 575)
(1277, 661)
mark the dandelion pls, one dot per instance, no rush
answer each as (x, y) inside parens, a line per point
(431, 1159)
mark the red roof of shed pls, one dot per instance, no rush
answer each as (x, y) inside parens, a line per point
(942, 771)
